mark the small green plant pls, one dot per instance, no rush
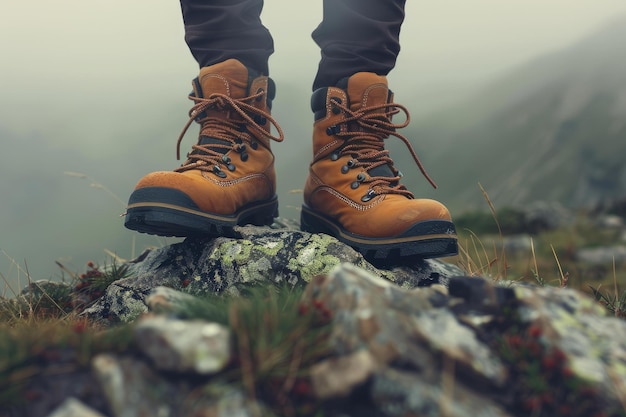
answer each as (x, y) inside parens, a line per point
(615, 303)
(90, 285)
(37, 348)
(277, 339)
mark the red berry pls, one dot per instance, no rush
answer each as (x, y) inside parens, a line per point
(534, 348)
(80, 326)
(548, 363)
(534, 331)
(532, 403)
(514, 341)
(90, 264)
(558, 355)
(301, 387)
(186, 282)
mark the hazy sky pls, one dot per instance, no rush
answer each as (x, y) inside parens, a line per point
(89, 75)
(65, 53)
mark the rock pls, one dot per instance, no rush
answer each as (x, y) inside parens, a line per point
(132, 388)
(593, 345)
(609, 221)
(228, 266)
(542, 215)
(479, 347)
(74, 408)
(339, 376)
(184, 346)
(416, 340)
(399, 393)
(602, 255)
(167, 299)
(378, 326)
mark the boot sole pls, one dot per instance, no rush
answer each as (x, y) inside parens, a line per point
(169, 212)
(427, 239)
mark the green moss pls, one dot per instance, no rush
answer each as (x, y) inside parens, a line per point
(270, 248)
(314, 259)
(233, 251)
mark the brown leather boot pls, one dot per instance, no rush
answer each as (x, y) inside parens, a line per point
(228, 178)
(353, 190)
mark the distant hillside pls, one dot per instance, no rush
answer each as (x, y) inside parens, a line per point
(552, 130)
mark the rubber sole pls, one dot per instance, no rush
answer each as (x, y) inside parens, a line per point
(427, 239)
(168, 212)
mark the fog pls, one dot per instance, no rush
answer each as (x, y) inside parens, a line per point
(83, 83)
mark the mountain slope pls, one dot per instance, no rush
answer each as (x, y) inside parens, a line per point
(553, 130)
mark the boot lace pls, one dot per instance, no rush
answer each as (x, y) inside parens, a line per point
(236, 133)
(364, 134)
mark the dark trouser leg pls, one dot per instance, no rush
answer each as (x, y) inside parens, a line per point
(218, 30)
(357, 35)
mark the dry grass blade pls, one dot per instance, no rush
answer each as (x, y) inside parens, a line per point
(491, 208)
(501, 273)
(534, 255)
(96, 184)
(563, 279)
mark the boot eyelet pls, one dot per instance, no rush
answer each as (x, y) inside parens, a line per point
(345, 169)
(241, 148)
(335, 101)
(231, 167)
(244, 156)
(260, 120)
(218, 171)
(259, 91)
(351, 163)
(226, 159)
(355, 185)
(367, 197)
(332, 130)
(360, 177)
(334, 156)
(254, 145)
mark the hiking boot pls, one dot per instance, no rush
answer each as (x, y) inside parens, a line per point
(228, 178)
(353, 191)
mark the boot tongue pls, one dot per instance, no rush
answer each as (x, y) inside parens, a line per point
(230, 78)
(367, 89)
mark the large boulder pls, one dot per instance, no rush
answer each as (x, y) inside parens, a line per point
(229, 265)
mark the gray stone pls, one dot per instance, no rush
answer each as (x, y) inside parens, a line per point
(74, 408)
(184, 346)
(339, 376)
(260, 256)
(398, 329)
(602, 255)
(594, 344)
(167, 299)
(398, 393)
(133, 389)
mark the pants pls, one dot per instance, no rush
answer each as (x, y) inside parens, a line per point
(354, 35)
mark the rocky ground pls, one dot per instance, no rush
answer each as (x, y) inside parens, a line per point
(282, 322)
